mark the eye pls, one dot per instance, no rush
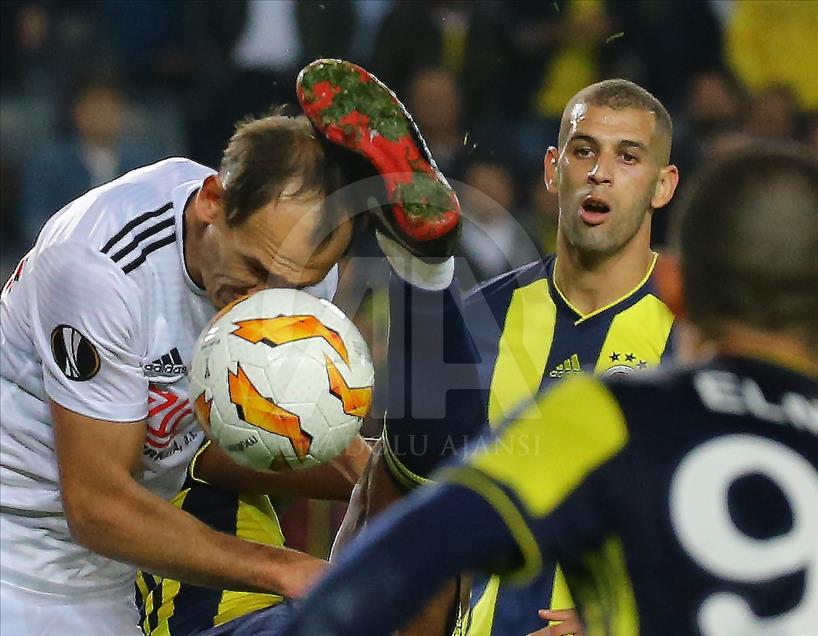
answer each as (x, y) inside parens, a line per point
(629, 158)
(583, 152)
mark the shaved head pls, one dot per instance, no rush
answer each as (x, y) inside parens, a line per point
(620, 94)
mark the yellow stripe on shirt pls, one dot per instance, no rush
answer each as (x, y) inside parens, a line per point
(605, 590)
(643, 329)
(257, 521)
(523, 350)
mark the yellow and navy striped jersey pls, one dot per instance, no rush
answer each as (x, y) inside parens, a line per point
(170, 608)
(529, 336)
(540, 337)
(684, 502)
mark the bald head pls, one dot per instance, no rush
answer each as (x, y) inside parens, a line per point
(747, 233)
(620, 94)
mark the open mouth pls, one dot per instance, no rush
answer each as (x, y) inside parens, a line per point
(593, 210)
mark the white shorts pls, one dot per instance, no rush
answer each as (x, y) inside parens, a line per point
(26, 613)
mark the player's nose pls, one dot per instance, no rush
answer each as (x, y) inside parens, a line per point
(602, 170)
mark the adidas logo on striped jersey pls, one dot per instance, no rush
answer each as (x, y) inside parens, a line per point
(571, 365)
(169, 364)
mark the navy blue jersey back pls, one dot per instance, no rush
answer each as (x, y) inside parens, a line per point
(714, 501)
(684, 502)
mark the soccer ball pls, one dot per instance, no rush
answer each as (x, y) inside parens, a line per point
(281, 379)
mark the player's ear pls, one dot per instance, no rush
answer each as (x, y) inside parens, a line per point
(668, 276)
(665, 187)
(209, 203)
(550, 169)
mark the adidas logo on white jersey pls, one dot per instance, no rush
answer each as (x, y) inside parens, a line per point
(167, 365)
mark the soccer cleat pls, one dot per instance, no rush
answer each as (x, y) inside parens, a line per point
(354, 109)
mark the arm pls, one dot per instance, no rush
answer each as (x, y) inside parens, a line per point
(87, 326)
(526, 494)
(375, 493)
(401, 560)
(333, 480)
(110, 513)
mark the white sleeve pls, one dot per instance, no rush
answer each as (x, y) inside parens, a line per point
(86, 327)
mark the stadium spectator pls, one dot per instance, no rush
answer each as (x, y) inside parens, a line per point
(11, 243)
(646, 39)
(150, 41)
(714, 102)
(574, 42)
(469, 39)
(773, 114)
(770, 43)
(436, 103)
(543, 215)
(812, 134)
(493, 241)
(95, 149)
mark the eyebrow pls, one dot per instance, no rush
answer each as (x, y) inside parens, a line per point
(622, 142)
(634, 144)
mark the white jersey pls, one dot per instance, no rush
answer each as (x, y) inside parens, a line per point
(100, 317)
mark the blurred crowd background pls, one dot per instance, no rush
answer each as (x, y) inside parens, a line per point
(92, 89)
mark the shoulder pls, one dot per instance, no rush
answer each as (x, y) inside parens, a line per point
(138, 204)
(73, 269)
(519, 277)
(498, 291)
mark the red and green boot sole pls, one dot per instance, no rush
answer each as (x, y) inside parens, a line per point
(354, 109)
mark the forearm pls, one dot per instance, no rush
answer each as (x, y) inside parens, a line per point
(109, 512)
(375, 492)
(332, 481)
(401, 560)
(434, 618)
(129, 523)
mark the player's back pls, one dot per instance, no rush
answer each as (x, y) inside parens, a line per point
(714, 506)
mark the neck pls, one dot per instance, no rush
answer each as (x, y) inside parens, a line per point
(193, 239)
(590, 282)
(781, 349)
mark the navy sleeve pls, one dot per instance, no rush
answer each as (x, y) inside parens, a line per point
(386, 575)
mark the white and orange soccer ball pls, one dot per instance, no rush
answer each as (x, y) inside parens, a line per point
(281, 379)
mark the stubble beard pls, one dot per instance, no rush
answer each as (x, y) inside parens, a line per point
(597, 243)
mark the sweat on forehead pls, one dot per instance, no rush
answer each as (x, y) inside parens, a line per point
(618, 94)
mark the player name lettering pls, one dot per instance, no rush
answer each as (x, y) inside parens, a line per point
(727, 392)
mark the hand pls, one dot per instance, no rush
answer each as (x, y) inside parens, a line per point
(569, 623)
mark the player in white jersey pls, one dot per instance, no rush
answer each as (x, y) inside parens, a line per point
(97, 325)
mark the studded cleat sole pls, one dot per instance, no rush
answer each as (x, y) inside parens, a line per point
(355, 110)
